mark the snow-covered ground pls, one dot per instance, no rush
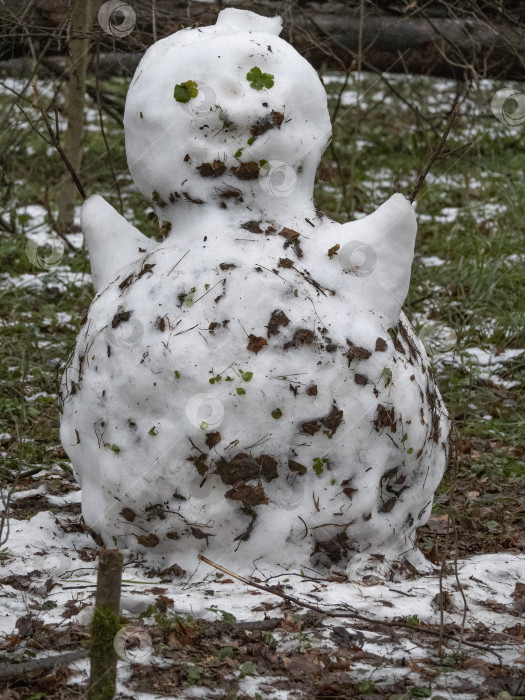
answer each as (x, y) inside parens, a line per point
(49, 573)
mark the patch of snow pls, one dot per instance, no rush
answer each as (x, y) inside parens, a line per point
(40, 544)
(430, 260)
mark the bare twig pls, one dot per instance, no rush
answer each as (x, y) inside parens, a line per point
(103, 132)
(451, 525)
(335, 613)
(7, 493)
(6, 226)
(434, 154)
(55, 141)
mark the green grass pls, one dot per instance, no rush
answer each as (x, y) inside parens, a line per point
(478, 290)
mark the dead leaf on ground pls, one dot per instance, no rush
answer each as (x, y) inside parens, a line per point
(256, 343)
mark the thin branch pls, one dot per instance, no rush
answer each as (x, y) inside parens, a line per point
(434, 154)
(103, 132)
(6, 226)
(55, 141)
(354, 615)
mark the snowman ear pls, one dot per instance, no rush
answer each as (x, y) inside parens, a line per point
(112, 242)
(246, 21)
(379, 257)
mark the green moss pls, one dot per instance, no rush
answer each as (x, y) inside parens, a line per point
(104, 627)
(318, 464)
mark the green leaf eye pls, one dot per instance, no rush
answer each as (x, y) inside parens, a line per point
(186, 91)
(259, 80)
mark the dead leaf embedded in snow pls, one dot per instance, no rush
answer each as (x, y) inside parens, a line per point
(150, 540)
(256, 343)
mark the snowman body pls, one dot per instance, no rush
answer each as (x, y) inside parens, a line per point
(248, 388)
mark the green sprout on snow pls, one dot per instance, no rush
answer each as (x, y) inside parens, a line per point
(258, 79)
(186, 91)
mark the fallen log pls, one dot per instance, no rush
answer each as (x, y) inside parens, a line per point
(45, 663)
(475, 40)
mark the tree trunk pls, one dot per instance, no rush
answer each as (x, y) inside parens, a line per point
(105, 625)
(80, 27)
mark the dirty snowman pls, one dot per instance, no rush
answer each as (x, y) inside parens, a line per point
(248, 388)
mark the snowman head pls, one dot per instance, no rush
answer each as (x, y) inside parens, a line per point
(228, 115)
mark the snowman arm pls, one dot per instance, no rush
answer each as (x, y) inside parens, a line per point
(390, 232)
(112, 242)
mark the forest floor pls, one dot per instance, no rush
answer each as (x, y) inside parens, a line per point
(467, 275)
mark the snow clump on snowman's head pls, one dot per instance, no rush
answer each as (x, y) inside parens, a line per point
(223, 107)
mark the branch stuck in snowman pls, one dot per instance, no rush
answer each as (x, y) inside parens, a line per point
(249, 388)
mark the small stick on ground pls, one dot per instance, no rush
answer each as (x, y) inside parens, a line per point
(434, 154)
(333, 613)
(105, 625)
(10, 670)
